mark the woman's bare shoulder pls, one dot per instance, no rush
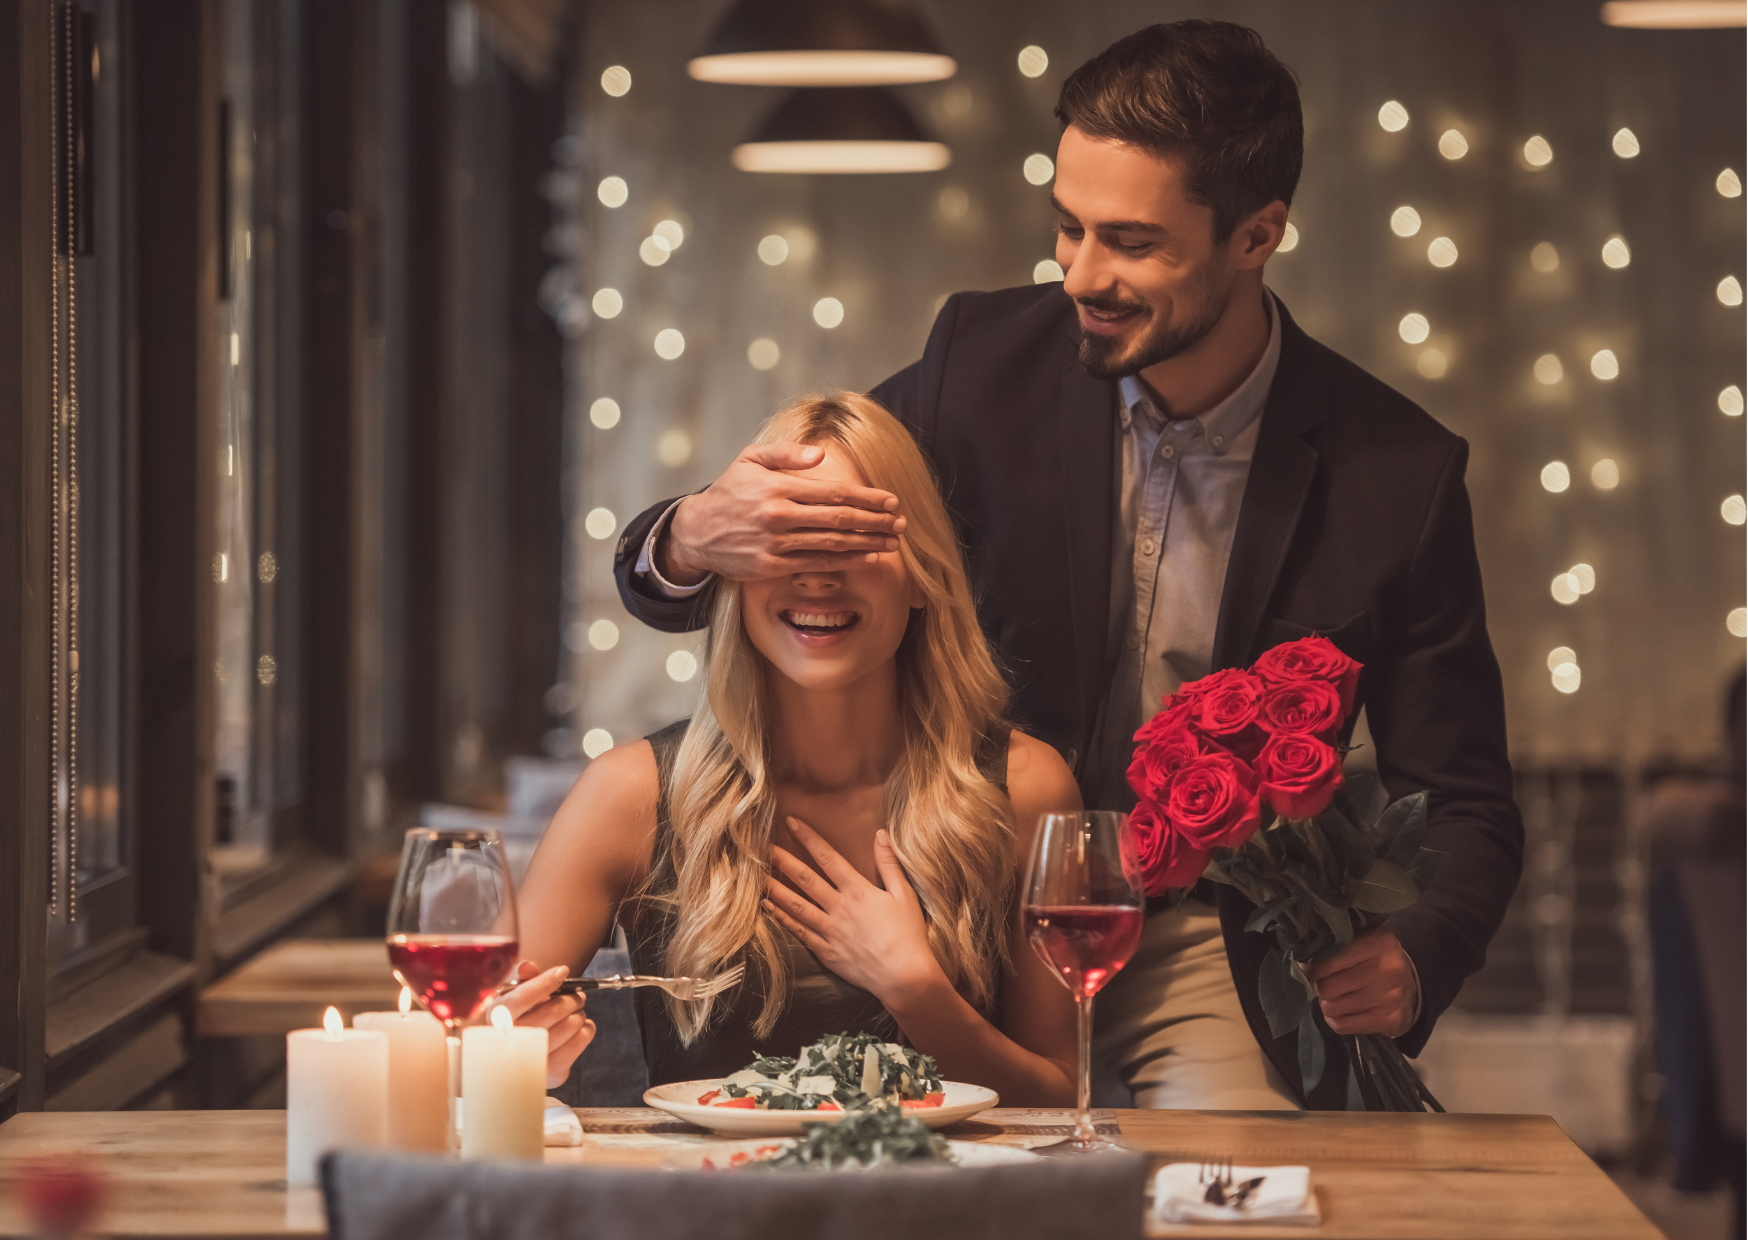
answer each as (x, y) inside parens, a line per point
(612, 806)
(1039, 781)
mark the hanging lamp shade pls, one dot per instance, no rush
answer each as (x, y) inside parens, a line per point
(821, 43)
(1676, 14)
(845, 129)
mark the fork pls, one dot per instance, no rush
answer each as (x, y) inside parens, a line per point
(682, 988)
(1218, 1177)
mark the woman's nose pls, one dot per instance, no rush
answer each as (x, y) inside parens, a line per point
(817, 580)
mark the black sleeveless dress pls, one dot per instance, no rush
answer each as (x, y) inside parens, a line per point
(820, 1002)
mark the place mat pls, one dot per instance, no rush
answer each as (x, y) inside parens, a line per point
(1026, 1128)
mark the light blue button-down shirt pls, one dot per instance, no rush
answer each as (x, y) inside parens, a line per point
(1180, 485)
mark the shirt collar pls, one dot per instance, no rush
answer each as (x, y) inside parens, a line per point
(1222, 424)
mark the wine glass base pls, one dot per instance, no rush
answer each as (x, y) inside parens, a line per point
(1072, 1145)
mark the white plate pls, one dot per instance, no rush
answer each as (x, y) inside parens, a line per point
(721, 1157)
(680, 1099)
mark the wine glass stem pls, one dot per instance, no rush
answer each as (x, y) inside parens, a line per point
(1083, 1124)
(453, 1032)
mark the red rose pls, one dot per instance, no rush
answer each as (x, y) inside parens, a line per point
(1214, 801)
(1167, 859)
(1311, 658)
(1226, 708)
(1158, 759)
(1312, 707)
(1299, 774)
(1175, 709)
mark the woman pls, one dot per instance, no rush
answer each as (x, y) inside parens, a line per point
(840, 814)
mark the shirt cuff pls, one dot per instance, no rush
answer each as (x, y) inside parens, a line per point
(1415, 974)
(646, 566)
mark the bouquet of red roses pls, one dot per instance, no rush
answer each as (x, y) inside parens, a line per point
(1239, 778)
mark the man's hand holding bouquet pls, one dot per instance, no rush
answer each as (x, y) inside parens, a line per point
(1240, 780)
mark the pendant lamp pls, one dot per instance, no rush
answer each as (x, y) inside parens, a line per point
(821, 43)
(845, 129)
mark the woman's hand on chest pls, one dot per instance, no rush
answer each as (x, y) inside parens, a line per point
(872, 936)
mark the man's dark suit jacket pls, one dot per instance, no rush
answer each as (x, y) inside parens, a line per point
(1355, 524)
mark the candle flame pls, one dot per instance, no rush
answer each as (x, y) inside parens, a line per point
(406, 999)
(502, 1020)
(332, 1022)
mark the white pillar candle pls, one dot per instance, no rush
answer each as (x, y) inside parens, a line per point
(336, 1093)
(503, 1090)
(418, 1075)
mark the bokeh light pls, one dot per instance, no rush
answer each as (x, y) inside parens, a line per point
(616, 80)
(669, 233)
(1404, 221)
(1393, 117)
(1565, 589)
(1737, 621)
(1046, 271)
(763, 353)
(1567, 678)
(1733, 509)
(1604, 365)
(597, 741)
(674, 448)
(600, 523)
(1559, 655)
(1556, 477)
(773, 250)
(828, 312)
(1625, 143)
(1413, 328)
(1038, 169)
(603, 635)
(1730, 291)
(1442, 252)
(1615, 253)
(1585, 576)
(607, 303)
(612, 191)
(1545, 258)
(1605, 475)
(1289, 240)
(1729, 184)
(669, 344)
(604, 413)
(653, 252)
(1538, 152)
(1432, 363)
(682, 666)
(1730, 402)
(1033, 60)
(1452, 145)
(1548, 369)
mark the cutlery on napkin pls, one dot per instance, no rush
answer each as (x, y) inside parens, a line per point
(562, 1126)
(1279, 1194)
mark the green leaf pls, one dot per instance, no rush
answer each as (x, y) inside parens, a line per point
(1384, 889)
(1401, 828)
(1217, 871)
(1424, 868)
(1348, 841)
(1310, 1051)
(1260, 919)
(1361, 796)
(1339, 920)
(1282, 992)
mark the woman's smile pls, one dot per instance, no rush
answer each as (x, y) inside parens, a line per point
(818, 626)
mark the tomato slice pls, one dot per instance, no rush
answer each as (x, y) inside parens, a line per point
(704, 1099)
(928, 1100)
(744, 1104)
(828, 1106)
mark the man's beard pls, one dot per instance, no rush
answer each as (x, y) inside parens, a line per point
(1105, 357)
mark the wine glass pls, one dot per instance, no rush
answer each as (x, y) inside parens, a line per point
(1083, 915)
(452, 930)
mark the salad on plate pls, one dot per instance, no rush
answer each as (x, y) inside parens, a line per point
(840, 1072)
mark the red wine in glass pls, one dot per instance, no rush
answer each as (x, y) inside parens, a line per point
(452, 975)
(1088, 944)
(452, 928)
(1083, 916)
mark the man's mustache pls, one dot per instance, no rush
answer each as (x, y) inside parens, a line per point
(1112, 305)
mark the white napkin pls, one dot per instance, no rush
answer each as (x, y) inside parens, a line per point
(1284, 1196)
(562, 1125)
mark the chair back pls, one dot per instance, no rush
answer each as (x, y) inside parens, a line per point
(374, 1196)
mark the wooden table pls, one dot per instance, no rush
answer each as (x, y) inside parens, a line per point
(288, 986)
(1383, 1177)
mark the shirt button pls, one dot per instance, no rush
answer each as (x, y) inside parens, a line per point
(1168, 452)
(1146, 546)
(1218, 440)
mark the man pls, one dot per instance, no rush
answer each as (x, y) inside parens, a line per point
(1159, 475)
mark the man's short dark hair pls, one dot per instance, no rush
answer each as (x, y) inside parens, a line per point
(1206, 94)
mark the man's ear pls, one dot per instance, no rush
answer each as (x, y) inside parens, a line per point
(1256, 239)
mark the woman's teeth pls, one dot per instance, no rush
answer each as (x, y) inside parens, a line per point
(820, 619)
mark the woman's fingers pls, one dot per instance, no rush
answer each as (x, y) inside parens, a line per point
(548, 1015)
(533, 992)
(891, 872)
(842, 874)
(802, 877)
(564, 1043)
(810, 939)
(796, 906)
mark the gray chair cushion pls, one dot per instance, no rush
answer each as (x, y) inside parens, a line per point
(374, 1196)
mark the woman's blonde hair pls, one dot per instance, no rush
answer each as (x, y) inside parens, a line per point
(950, 827)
